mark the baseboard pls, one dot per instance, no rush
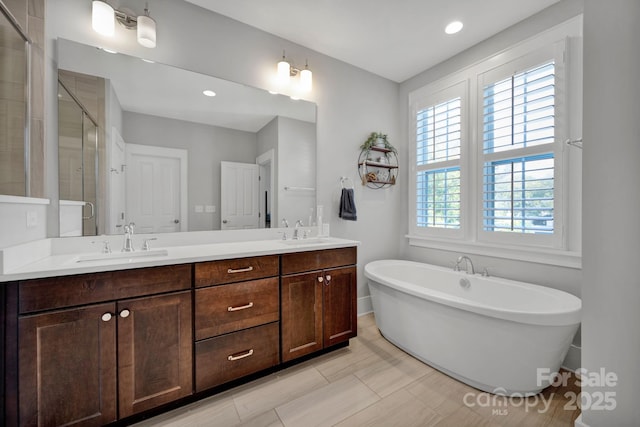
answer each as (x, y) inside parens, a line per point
(364, 305)
(573, 361)
(578, 422)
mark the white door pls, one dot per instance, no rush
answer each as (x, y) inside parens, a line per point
(156, 188)
(117, 185)
(238, 195)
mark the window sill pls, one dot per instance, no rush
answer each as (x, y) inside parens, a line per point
(547, 256)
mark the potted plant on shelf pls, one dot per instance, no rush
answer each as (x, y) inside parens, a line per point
(377, 139)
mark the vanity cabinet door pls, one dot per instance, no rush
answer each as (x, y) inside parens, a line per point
(339, 305)
(71, 355)
(301, 314)
(155, 348)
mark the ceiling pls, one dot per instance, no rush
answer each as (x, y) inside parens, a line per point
(395, 39)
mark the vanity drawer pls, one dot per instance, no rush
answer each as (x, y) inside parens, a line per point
(67, 291)
(228, 357)
(235, 270)
(228, 308)
(318, 260)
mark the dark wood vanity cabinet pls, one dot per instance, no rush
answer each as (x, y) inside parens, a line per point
(96, 362)
(97, 348)
(318, 300)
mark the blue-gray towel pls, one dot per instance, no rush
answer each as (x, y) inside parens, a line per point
(348, 205)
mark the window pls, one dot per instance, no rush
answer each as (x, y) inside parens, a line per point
(438, 152)
(518, 180)
(490, 171)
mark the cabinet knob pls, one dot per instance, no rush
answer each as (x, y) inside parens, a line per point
(125, 313)
(106, 317)
(328, 279)
(320, 279)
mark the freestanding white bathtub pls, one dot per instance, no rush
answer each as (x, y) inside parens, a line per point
(491, 333)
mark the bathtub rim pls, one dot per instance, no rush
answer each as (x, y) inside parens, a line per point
(570, 316)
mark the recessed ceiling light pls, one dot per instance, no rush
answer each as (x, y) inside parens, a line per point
(208, 93)
(107, 50)
(148, 60)
(453, 27)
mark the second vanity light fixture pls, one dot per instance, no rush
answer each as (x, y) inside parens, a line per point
(286, 73)
(104, 16)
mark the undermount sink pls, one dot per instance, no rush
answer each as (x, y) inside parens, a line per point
(297, 242)
(122, 255)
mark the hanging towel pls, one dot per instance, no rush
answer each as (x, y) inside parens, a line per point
(347, 205)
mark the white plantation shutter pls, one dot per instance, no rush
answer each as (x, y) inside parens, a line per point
(517, 158)
(438, 153)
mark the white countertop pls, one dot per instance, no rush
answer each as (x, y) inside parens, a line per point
(65, 264)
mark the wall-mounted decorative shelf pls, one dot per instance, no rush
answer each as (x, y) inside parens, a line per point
(378, 167)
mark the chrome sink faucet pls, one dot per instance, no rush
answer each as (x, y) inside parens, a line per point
(296, 231)
(128, 235)
(468, 265)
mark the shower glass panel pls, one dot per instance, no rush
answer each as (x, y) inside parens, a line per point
(78, 159)
(13, 109)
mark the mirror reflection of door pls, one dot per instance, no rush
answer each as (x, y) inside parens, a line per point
(156, 186)
(78, 163)
(239, 195)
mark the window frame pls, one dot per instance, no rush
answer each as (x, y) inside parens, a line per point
(564, 41)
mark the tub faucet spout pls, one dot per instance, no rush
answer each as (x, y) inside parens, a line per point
(468, 265)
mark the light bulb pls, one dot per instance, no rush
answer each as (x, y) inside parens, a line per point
(102, 18)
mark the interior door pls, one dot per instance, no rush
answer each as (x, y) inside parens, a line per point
(239, 204)
(156, 188)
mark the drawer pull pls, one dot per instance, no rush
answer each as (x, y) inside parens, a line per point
(240, 270)
(242, 307)
(241, 356)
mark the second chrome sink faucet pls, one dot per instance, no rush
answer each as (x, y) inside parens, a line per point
(128, 234)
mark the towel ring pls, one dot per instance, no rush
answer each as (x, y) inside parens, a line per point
(344, 179)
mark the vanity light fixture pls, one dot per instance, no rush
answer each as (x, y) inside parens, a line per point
(286, 74)
(104, 16)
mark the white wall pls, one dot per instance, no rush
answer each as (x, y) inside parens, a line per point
(351, 102)
(611, 206)
(206, 146)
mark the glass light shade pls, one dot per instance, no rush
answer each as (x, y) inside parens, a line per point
(284, 73)
(146, 31)
(103, 18)
(306, 80)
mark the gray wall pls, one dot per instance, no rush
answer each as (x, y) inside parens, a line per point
(206, 147)
(611, 206)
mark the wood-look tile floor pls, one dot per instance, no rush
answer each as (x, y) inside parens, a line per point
(370, 383)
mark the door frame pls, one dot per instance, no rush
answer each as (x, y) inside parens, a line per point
(176, 153)
(268, 158)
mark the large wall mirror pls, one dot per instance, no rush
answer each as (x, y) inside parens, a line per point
(140, 142)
